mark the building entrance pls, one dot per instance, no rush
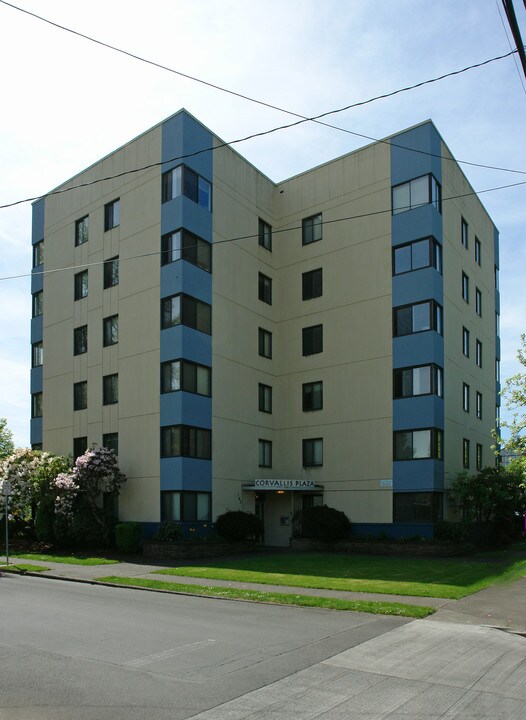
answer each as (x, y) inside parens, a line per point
(276, 507)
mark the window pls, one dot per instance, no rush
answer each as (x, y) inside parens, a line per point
(265, 235)
(265, 398)
(312, 396)
(186, 506)
(36, 446)
(110, 389)
(496, 271)
(312, 340)
(264, 343)
(183, 181)
(465, 341)
(36, 405)
(478, 353)
(37, 354)
(311, 284)
(187, 376)
(80, 445)
(478, 251)
(478, 405)
(465, 454)
(416, 255)
(38, 253)
(265, 288)
(80, 395)
(111, 441)
(465, 287)
(184, 245)
(81, 285)
(185, 441)
(110, 330)
(111, 272)
(417, 507)
(418, 444)
(186, 310)
(478, 302)
(420, 317)
(313, 452)
(112, 215)
(311, 229)
(421, 191)
(497, 324)
(464, 233)
(465, 397)
(497, 369)
(479, 456)
(80, 340)
(82, 231)
(38, 303)
(421, 380)
(265, 453)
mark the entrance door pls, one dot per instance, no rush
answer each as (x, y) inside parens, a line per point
(278, 519)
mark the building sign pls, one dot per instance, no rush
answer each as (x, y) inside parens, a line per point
(284, 485)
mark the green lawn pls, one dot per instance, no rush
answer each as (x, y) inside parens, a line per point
(378, 608)
(423, 577)
(66, 559)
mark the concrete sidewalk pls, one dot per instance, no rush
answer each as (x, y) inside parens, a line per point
(502, 606)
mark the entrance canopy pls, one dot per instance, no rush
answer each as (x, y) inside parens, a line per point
(271, 485)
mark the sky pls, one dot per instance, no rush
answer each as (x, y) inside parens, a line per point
(67, 102)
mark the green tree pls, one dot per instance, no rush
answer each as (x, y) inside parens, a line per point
(7, 445)
(514, 394)
(495, 496)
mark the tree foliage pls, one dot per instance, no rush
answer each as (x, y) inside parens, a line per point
(495, 495)
(514, 394)
(31, 474)
(7, 446)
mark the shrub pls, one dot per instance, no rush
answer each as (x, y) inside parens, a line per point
(169, 531)
(45, 520)
(446, 531)
(324, 523)
(236, 526)
(128, 537)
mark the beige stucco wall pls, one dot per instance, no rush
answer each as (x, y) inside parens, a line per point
(459, 369)
(355, 310)
(136, 300)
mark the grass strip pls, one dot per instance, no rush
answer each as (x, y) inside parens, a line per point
(66, 559)
(377, 608)
(23, 568)
(422, 577)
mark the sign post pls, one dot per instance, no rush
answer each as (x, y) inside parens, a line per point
(6, 490)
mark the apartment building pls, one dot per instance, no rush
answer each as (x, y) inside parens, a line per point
(244, 344)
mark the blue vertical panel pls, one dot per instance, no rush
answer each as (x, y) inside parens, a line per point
(181, 137)
(415, 153)
(37, 284)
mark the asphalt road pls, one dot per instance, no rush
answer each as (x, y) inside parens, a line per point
(76, 651)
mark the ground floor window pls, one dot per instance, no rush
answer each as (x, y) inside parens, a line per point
(417, 507)
(186, 506)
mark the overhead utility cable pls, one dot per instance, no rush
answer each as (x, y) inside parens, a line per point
(252, 236)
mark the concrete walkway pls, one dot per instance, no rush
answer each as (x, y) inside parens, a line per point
(502, 606)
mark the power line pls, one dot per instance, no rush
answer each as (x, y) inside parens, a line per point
(303, 119)
(82, 266)
(260, 134)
